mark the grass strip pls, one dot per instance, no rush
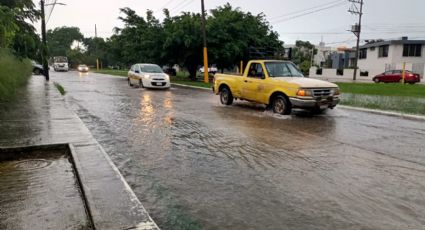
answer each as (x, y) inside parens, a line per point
(60, 88)
(408, 105)
(181, 78)
(113, 72)
(382, 89)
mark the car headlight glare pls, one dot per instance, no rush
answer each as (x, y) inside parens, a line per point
(304, 93)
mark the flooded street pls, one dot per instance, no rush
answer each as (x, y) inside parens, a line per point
(195, 164)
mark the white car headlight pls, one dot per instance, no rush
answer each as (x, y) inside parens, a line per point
(147, 76)
(167, 77)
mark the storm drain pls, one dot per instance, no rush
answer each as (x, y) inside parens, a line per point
(39, 189)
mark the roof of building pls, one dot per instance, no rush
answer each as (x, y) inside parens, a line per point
(402, 41)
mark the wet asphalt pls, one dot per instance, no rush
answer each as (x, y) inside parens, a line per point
(196, 164)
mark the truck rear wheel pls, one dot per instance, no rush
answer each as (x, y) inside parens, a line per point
(281, 105)
(226, 97)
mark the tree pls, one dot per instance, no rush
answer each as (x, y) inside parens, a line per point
(183, 41)
(140, 40)
(16, 32)
(59, 40)
(302, 54)
(232, 32)
(96, 48)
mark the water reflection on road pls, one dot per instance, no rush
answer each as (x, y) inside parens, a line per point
(198, 165)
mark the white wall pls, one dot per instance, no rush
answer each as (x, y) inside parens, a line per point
(376, 65)
(398, 56)
(373, 63)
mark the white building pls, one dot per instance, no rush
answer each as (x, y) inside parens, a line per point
(378, 56)
(323, 53)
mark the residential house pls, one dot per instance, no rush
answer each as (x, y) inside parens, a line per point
(378, 56)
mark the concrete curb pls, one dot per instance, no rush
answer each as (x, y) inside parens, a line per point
(383, 112)
(191, 86)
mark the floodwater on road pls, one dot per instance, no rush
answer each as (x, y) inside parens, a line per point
(196, 164)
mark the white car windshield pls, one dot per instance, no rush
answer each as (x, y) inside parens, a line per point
(151, 69)
(282, 69)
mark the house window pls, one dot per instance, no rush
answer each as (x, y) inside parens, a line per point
(363, 54)
(412, 50)
(383, 51)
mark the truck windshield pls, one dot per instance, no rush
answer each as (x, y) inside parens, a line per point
(60, 59)
(282, 69)
(151, 69)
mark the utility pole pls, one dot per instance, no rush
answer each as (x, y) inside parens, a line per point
(44, 42)
(204, 34)
(95, 36)
(356, 9)
(44, 52)
(312, 57)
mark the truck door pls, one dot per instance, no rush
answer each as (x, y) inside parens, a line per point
(253, 85)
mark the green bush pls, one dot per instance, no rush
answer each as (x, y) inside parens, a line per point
(14, 73)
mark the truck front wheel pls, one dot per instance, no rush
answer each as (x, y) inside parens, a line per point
(226, 97)
(281, 105)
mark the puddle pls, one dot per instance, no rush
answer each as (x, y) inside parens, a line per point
(39, 190)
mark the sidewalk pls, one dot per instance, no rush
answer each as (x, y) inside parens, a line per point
(40, 117)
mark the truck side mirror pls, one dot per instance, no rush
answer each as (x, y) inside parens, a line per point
(137, 71)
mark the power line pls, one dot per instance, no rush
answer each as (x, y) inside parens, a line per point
(165, 5)
(51, 11)
(300, 11)
(308, 13)
(183, 4)
(178, 5)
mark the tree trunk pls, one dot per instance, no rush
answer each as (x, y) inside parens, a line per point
(192, 72)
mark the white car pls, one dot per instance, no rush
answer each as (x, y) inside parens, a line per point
(83, 68)
(212, 70)
(149, 76)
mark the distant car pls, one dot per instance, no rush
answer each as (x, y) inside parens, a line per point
(37, 69)
(60, 63)
(83, 68)
(396, 76)
(212, 70)
(149, 76)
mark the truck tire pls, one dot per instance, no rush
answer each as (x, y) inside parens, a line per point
(141, 83)
(129, 82)
(226, 97)
(281, 105)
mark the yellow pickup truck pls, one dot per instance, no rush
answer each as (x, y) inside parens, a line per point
(279, 85)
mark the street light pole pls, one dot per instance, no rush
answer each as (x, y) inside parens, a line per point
(204, 34)
(44, 43)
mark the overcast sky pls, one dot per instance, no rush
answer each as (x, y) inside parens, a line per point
(387, 19)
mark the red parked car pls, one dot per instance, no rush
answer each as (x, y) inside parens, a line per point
(396, 75)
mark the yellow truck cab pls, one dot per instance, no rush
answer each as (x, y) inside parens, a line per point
(278, 84)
